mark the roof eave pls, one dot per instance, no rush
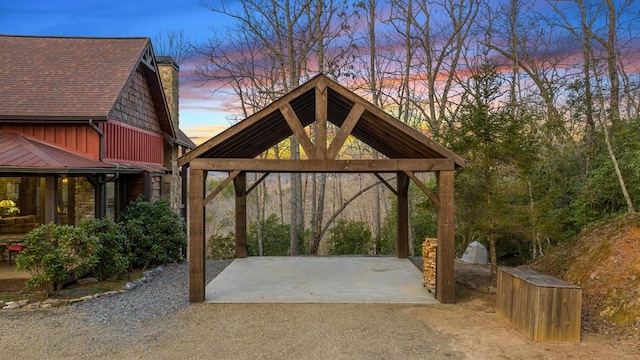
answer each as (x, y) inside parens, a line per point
(51, 119)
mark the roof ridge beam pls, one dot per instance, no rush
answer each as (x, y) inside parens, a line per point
(296, 126)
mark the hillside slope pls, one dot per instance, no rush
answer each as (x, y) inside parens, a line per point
(605, 262)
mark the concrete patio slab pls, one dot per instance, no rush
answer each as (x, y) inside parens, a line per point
(275, 279)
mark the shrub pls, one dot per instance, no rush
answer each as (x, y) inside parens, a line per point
(221, 247)
(350, 238)
(275, 238)
(113, 254)
(155, 232)
(56, 254)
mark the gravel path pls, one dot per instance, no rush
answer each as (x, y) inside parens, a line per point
(155, 321)
(167, 293)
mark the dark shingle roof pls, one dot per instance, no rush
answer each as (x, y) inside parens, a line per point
(62, 77)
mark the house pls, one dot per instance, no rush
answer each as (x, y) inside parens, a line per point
(85, 128)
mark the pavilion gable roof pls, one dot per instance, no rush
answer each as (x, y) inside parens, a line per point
(304, 106)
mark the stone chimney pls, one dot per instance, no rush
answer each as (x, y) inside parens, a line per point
(169, 75)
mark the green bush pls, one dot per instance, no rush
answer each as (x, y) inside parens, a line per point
(155, 232)
(275, 238)
(113, 254)
(221, 247)
(56, 254)
(350, 238)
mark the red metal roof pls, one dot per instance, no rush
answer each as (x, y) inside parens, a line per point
(23, 154)
(21, 151)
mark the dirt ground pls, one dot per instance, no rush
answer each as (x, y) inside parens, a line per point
(466, 330)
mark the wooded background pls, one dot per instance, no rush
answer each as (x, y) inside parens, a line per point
(542, 97)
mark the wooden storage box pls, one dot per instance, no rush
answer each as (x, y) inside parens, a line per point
(540, 306)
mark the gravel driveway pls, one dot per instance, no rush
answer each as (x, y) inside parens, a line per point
(155, 321)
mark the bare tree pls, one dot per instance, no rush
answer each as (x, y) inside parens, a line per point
(174, 44)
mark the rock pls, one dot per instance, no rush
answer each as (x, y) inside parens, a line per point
(2, 304)
(53, 303)
(11, 305)
(23, 302)
(149, 274)
(88, 297)
(145, 279)
(475, 253)
(492, 289)
(111, 293)
(32, 306)
(77, 300)
(131, 285)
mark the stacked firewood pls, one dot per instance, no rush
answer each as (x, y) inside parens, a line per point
(429, 263)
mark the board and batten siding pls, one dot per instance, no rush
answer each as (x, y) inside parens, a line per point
(80, 139)
(125, 143)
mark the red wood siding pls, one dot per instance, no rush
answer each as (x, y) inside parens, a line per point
(126, 143)
(135, 105)
(80, 139)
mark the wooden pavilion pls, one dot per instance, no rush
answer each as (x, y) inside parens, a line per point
(318, 101)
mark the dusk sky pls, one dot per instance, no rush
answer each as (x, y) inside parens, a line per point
(125, 18)
(201, 115)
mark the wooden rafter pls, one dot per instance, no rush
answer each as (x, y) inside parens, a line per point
(386, 184)
(423, 187)
(220, 187)
(257, 182)
(295, 125)
(345, 130)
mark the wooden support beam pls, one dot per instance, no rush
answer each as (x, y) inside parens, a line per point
(184, 194)
(402, 244)
(423, 187)
(295, 125)
(328, 166)
(321, 120)
(345, 130)
(257, 183)
(71, 201)
(221, 187)
(386, 184)
(445, 253)
(240, 184)
(197, 186)
(50, 199)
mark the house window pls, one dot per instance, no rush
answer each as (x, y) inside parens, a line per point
(20, 209)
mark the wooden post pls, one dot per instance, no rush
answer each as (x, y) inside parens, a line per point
(240, 185)
(402, 244)
(183, 192)
(71, 201)
(196, 236)
(445, 254)
(50, 199)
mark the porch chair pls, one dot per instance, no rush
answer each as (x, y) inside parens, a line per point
(14, 249)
